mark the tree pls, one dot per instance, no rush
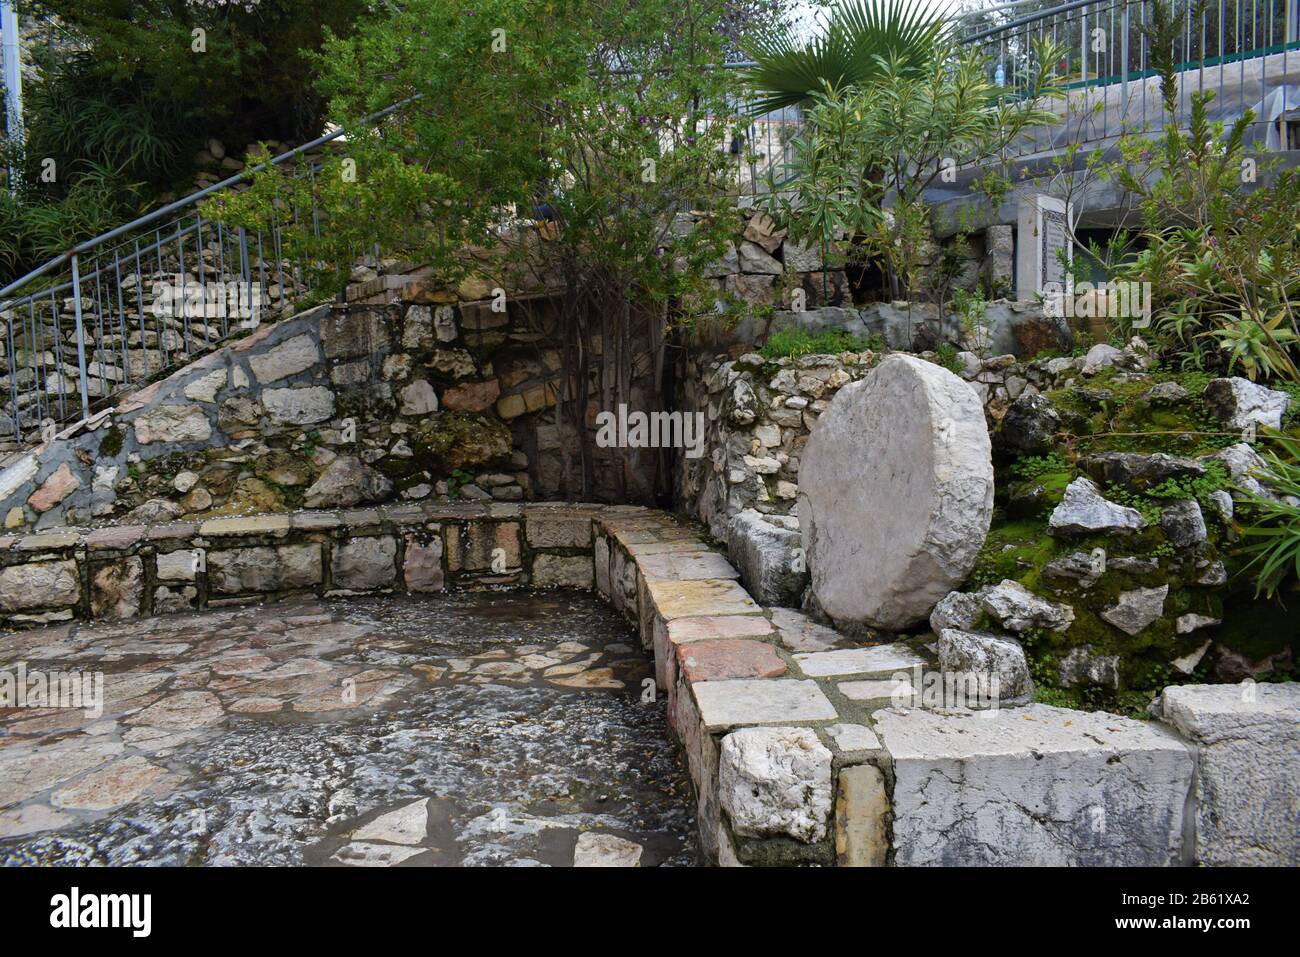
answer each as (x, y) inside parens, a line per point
(869, 153)
(566, 137)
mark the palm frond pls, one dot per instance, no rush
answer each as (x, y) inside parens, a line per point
(857, 37)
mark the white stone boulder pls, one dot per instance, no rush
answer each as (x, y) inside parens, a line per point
(1034, 786)
(1137, 609)
(1084, 511)
(1248, 739)
(605, 850)
(1239, 403)
(1018, 609)
(346, 482)
(980, 653)
(895, 493)
(957, 609)
(776, 782)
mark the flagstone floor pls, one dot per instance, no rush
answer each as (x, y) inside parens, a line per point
(466, 729)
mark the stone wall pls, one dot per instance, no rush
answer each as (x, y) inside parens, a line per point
(128, 571)
(1161, 606)
(797, 748)
(405, 392)
(800, 752)
(758, 412)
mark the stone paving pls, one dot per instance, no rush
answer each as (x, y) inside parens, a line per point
(475, 728)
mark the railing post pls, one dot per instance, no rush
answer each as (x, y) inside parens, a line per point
(81, 336)
(1123, 63)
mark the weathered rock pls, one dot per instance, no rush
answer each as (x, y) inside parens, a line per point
(800, 258)
(405, 825)
(896, 493)
(1167, 393)
(121, 782)
(1183, 523)
(173, 423)
(981, 653)
(39, 585)
(1018, 609)
(605, 850)
(360, 564)
(1247, 468)
(1233, 666)
(1083, 511)
(1101, 356)
(1034, 786)
(460, 440)
(154, 511)
(288, 358)
(1029, 426)
(471, 396)
(1247, 739)
(418, 398)
(562, 571)
(743, 701)
(770, 559)
(1083, 667)
(776, 782)
(116, 589)
(263, 568)
(423, 568)
(1186, 624)
(206, 387)
(1238, 403)
(1135, 471)
(347, 482)
(1078, 567)
(753, 259)
(1137, 609)
(861, 817)
(957, 609)
(182, 711)
(301, 406)
(1186, 664)
(60, 484)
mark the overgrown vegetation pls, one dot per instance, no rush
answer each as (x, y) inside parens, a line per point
(560, 143)
(793, 343)
(891, 106)
(124, 94)
(1273, 535)
(1217, 239)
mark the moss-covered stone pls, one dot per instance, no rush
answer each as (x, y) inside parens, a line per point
(111, 444)
(459, 440)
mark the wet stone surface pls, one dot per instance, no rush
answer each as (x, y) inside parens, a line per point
(468, 729)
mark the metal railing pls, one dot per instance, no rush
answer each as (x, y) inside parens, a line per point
(84, 325)
(1247, 51)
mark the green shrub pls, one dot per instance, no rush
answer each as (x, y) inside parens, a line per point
(793, 343)
(1273, 531)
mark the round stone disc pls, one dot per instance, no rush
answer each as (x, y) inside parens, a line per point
(895, 493)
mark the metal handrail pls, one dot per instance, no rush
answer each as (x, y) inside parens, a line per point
(195, 197)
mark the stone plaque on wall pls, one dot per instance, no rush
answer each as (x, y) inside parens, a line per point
(1042, 232)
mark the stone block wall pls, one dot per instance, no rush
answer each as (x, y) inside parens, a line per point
(405, 392)
(796, 747)
(129, 571)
